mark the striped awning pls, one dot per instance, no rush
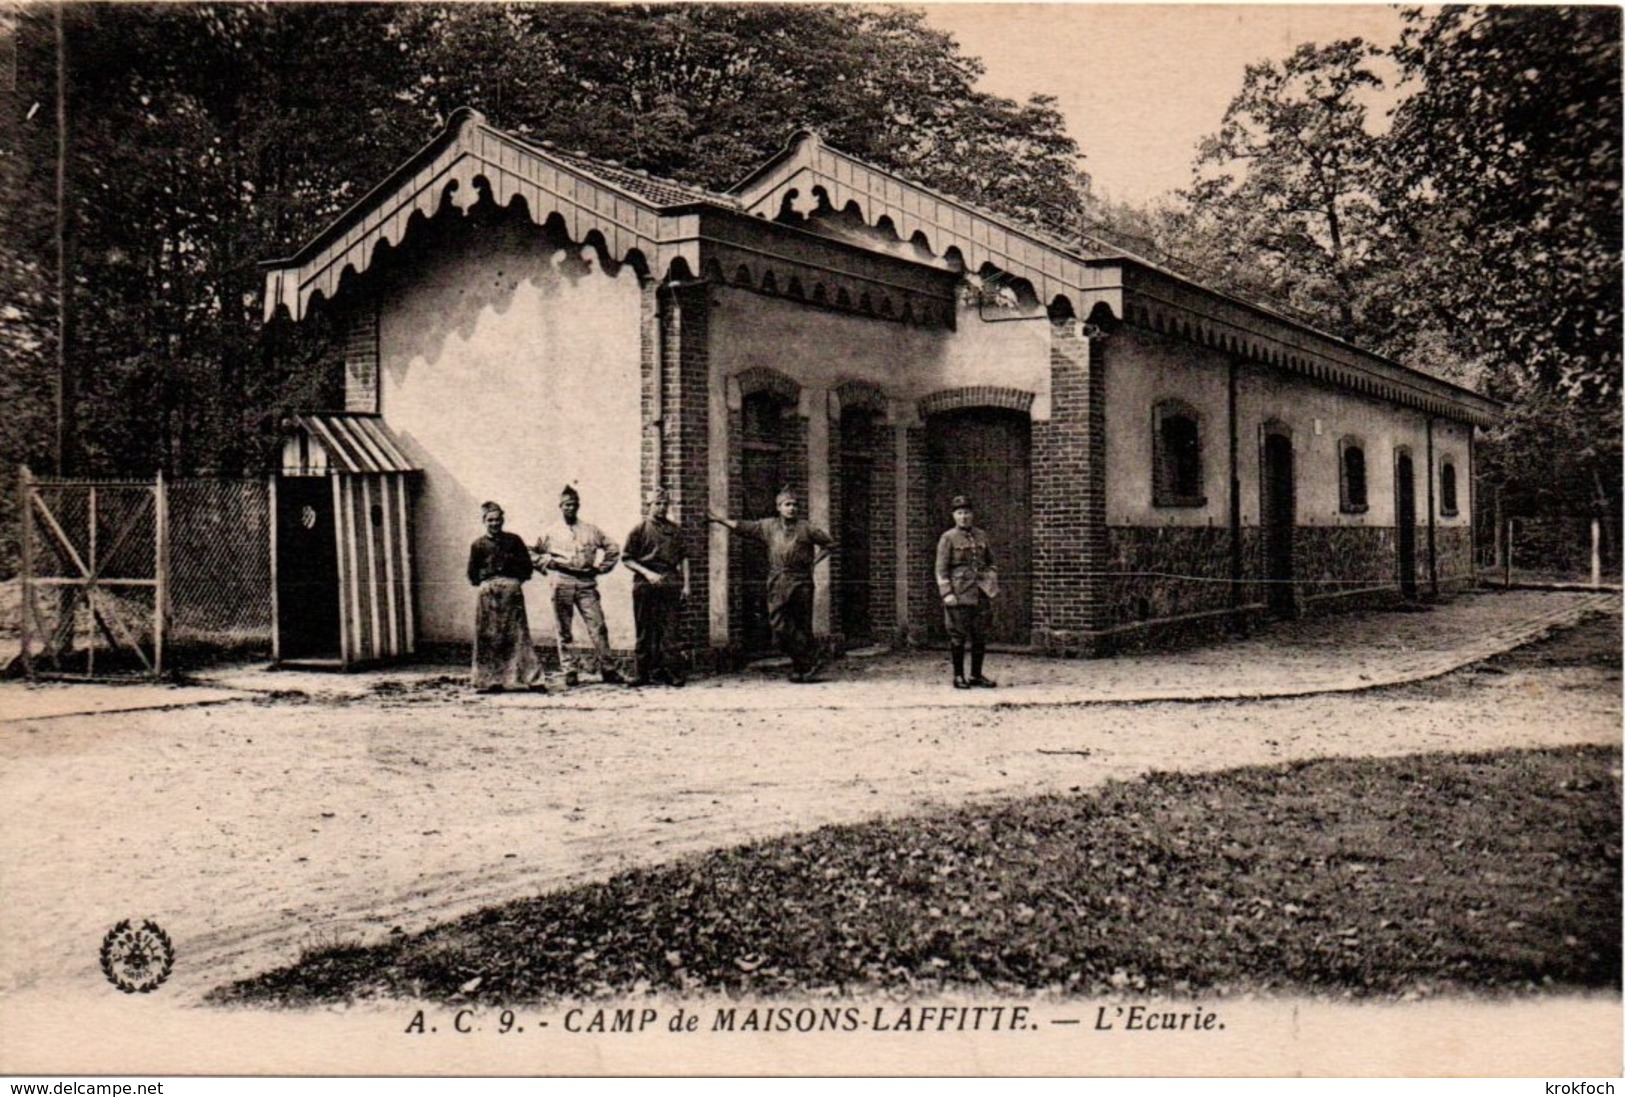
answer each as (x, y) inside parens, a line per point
(320, 443)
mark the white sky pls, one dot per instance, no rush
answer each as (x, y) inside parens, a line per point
(1141, 84)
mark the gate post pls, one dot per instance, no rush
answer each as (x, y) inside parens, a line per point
(1596, 554)
(160, 567)
(27, 624)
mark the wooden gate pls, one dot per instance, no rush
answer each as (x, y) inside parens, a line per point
(93, 577)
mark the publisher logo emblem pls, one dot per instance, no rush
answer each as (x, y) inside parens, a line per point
(137, 958)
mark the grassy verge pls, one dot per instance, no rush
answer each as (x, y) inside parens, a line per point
(1395, 877)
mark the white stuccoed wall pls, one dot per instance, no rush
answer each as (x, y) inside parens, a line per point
(509, 370)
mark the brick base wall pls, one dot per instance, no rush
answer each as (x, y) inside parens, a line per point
(1332, 563)
(1455, 547)
(1167, 571)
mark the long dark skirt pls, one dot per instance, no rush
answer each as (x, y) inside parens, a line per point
(503, 653)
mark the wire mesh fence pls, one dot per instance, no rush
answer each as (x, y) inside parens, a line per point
(136, 577)
(219, 566)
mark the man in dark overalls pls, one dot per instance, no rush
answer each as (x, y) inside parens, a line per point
(658, 559)
(794, 548)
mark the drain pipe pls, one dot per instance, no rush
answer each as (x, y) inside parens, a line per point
(1235, 507)
(1433, 510)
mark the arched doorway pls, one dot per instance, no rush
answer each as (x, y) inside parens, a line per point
(1405, 520)
(986, 453)
(764, 469)
(1280, 521)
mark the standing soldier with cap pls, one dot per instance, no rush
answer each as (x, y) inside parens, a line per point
(794, 548)
(968, 582)
(577, 553)
(658, 560)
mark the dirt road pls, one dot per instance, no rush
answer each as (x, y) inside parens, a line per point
(255, 829)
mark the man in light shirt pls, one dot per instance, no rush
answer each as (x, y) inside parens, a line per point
(576, 553)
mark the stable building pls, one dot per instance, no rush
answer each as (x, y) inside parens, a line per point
(1151, 458)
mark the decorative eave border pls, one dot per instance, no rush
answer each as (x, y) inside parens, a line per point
(453, 167)
(1162, 303)
(812, 173)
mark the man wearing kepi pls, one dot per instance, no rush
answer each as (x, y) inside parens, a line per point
(658, 560)
(577, 553)
(794, 548)
(968, 582)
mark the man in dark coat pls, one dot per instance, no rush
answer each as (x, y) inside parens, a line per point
(794, 549)
(967, 582)
(658, 559)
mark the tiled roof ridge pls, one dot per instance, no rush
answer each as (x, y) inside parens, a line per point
(625, 177)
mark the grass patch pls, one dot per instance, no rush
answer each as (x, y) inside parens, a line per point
(1393, 877)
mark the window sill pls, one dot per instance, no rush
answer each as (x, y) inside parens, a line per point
(1347, 509)
(1179, 501)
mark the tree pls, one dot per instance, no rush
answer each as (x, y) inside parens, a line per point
(1503, 183)
(28, 293)
(1282, 198)
(1503, 168)
(704, 93)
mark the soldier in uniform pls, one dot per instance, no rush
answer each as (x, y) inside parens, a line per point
(658, 560)
(794, 548)
(968, 582)
(577, 553)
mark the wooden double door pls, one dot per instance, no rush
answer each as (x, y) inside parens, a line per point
(986, 454)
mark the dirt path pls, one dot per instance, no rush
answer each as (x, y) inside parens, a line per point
(253, 830)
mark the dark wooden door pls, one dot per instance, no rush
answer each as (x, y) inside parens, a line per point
(986, 453)
(1405, 521)
(307, 568)
(762, 473)
(854, 591)
(1280, 519)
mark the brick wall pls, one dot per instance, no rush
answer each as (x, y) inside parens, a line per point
(882, 537)
(651, 402)
(1069, 494)
(685, 449)
(924, 605)
(361, 358)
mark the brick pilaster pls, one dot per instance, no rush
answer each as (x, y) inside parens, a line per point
(924, 605)
(1069, 495)
(684, 435)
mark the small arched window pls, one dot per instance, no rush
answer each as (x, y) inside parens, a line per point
(1351, 478)
(1176, 455)
(1447, 489)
